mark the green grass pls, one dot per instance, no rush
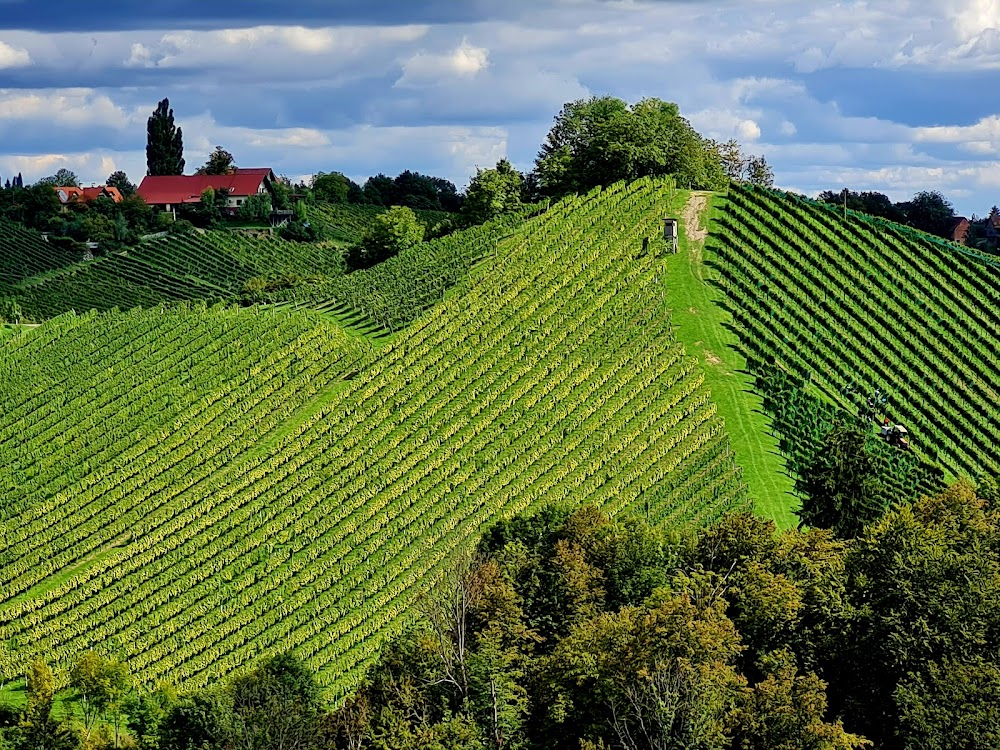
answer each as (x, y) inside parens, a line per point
(703, 327)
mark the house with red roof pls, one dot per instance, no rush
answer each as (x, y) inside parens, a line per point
(71, 193)
(167, 192)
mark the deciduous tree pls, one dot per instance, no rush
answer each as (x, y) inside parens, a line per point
(842, 484)
(219, 162)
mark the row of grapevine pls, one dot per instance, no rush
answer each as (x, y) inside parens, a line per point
(553, 377)
(347, 223)
(24, 253)
(395, 292)
(858, 302)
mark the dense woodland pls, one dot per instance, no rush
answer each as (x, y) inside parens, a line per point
(567, 629)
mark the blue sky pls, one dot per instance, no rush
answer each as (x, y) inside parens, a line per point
(888, 95)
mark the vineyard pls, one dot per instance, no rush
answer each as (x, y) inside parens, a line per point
(198, 486)
(347, 223)
(850, 305)
(216, 266)
(24, 253)
(394, 293)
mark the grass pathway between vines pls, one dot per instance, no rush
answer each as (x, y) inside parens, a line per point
(701, 327)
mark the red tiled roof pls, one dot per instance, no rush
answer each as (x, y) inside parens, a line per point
(74, 193)
(161, 190)
(70, 191)
(105, 190)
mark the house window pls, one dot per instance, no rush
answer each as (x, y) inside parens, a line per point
(239, 201)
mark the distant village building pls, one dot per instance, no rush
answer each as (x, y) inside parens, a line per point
(959, 230)
(72, 194)
(167, 192)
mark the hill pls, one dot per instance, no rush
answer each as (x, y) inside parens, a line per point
(212, 485)
(25, 253)
(221, 265)
(347, 223)
(834, 308)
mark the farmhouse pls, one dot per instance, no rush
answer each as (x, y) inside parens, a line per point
(170, 191)
(959, 230)
(71, 193)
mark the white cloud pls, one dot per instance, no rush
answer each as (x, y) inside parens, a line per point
(90, 167)
(140, 56)
(13, 57)
(292, 137)
(465, 61)
(70, 107)
(748, 130)
(985, 131)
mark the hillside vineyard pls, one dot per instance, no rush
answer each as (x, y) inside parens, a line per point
(865, 303)
(213, 485)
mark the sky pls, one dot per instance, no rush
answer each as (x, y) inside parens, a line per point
(889, 95)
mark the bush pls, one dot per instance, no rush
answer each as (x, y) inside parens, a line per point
(396, 230)
(298, 231)
(181, 226)
(256, 208)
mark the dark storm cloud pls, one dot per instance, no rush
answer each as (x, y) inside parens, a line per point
(122, 15)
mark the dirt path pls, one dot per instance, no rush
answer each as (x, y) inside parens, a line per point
(692, 216)
(696, 233)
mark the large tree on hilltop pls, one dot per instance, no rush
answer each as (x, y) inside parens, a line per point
(164, 142)
(601, 140)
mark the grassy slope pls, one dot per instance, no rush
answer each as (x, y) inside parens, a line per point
(702, 326)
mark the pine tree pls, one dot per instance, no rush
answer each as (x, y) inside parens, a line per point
(164, 143)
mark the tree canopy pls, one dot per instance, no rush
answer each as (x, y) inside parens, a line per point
(63, 177)
(164, 142)
(842, 484)
(219, 161)
(120, 180)
(601, 140)
(493, 192)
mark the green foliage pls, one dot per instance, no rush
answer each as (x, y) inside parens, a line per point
(331, 187)
(601, 140)
(193, 723)
(259, 480)
(741, 167)
(925, 581)
(392, 232)
(411, 189)
(33, 207)
(949, 704)
(257, 207)
(219, 162)
(930, 212)
(38, 729)
(62, 178)
(785, 710)
(146, 714)
(842, 487)
(120, 180)
(164, 142)
(492, 192)
(660, 671)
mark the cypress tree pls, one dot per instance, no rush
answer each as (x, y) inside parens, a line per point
(164, 143)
